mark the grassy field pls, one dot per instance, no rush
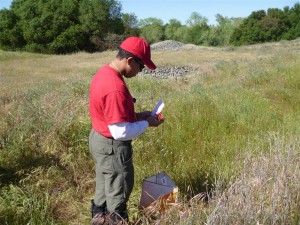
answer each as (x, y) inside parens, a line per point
(230, 140)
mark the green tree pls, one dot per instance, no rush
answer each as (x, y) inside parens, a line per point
(150, 21)
(70, 40)
(10, 32)
(131, 24)
(293, 15)
(60, 26)
(42, 21)
(220, 34)
(99, 18)
(250, 30)
(152, 29)
(181, 34)
(171, 30)
(274, 25)
(198, 29)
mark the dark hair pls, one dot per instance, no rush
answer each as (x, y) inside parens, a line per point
(123, 54)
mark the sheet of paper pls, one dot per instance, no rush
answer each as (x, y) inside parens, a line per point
(158, 108)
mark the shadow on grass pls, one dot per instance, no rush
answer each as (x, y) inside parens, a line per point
(25, 166)
(196, 185)
(8, 176)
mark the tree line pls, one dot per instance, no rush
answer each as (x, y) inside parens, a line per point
(65, 26)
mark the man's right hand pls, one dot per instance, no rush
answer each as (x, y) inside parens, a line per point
(153, 121)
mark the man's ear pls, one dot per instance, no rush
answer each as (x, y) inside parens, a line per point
(129, 60)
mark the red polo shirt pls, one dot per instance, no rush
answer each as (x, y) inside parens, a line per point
(110, 100)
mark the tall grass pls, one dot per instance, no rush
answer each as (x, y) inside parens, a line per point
(266, 190)
(213, 143)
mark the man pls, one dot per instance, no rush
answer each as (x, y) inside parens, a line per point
(114, 125)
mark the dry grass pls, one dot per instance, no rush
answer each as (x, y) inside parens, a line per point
(265, 191)
(23, 70)
(268, 189)
(20, 71)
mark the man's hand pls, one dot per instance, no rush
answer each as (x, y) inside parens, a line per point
(143, 115)
(154, 121)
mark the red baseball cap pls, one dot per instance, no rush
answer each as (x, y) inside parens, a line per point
(139, 48)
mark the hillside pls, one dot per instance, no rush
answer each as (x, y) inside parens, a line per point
(230, 140)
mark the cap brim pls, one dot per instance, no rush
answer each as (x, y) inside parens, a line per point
(150, 65)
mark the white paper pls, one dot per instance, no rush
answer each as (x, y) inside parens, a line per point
(158, 108)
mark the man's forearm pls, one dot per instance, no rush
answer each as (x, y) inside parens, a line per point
(127, 131)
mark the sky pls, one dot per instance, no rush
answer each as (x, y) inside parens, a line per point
(182, 9)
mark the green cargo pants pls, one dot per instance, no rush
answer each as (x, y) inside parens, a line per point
(114, 172)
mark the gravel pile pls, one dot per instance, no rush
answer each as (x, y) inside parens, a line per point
(168, 72)
(171, 45)
(167, 45)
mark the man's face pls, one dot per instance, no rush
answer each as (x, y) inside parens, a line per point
(134, 67)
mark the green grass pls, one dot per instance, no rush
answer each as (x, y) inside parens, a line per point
(219, 122)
